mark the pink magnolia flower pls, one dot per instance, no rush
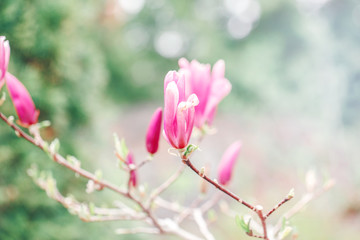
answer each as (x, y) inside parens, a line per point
(153, 132)
(23, 103)
(133, 175)
(227, 163)
(209, 87)
(179, 110)
(4, 58)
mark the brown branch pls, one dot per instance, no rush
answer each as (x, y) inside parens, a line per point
(278, 205)
(257, 210)
(217, 185)
(62, 161)
(263, 220)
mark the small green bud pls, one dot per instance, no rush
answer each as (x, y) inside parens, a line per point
(11, 119)
(291, 194)
(189, 150)
(120, 146)
(91, 208)
(44, 124)
(98, 174)
(212, 215)
(54, 146)
(73, 161)
(202, 172)
(50, 186)
(284, 233)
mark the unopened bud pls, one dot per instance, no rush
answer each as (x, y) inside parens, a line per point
(284, 233)
(90, 186)
(91, 208)
(142, 191)
(44, 124)
(23, 103)
(133, 173)
(202, 172)
(11, 119)
(227, 163)
(98, 174)
(291, 194)
(153, 132)
(203, 184)
(54, 146)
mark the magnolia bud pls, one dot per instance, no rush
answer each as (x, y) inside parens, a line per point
(227, 163)
(23, 103)
(153, 132)
(133, 175)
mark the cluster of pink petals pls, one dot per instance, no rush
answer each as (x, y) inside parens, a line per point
(179, 110)
(23, 103)
(153, 132)
(133, 175)
(209, 86)
(227, 163)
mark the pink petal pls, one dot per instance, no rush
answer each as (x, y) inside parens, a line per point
(220, 89)
(4, 58)
(181, 126)
(218, 69)
(170, 109)
(183, 63)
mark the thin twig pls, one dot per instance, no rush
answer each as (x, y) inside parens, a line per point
(165, 185)
(263, 221)
(301, 204)
(187, 212)
(202, 224)
(141, 164)
(212, 202)
(172, 206)
(137, 230)
(173, 227)
(287, 198)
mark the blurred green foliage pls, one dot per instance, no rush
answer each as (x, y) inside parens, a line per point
(82, 58)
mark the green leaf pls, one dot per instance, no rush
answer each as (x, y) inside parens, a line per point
(291, 194)
(121, 147)
(91, 208)
(241, 223)
(98, 174)
(190, 149)
(54, 146)
(212, 215)
(44, 124)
